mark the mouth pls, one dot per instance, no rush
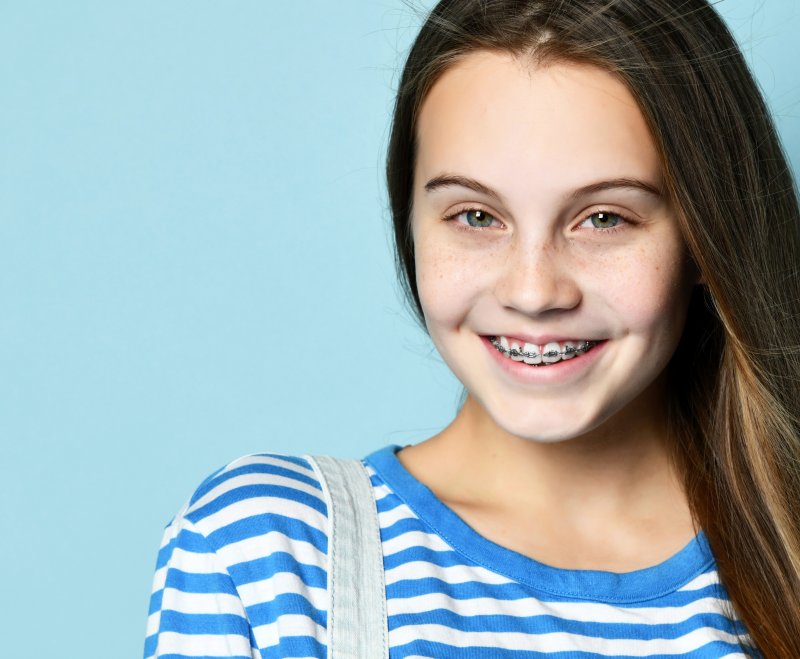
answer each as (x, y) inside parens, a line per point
(540, 356)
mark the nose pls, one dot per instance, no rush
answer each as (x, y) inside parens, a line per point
(538, 278)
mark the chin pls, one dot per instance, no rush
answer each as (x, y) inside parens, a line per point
(544, 423)
(545, 434)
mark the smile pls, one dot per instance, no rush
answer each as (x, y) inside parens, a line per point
(544, 355)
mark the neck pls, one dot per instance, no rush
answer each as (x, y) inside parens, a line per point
(620, 470)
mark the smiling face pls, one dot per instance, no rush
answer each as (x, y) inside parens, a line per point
(537, 218)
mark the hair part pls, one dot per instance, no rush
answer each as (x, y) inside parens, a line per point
(735, 377)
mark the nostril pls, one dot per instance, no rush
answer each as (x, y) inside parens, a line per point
(536, 288)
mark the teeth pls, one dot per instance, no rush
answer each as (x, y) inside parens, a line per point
(550, 353)
(532, 355)
(516, 352)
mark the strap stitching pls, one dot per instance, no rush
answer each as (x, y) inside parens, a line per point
(339, 470)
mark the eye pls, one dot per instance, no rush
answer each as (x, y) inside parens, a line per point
(605, 220)
(474, 217)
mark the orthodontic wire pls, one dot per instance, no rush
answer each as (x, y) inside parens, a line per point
(513, 352)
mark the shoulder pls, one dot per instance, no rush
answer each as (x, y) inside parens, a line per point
(259, 494)
(248, 547)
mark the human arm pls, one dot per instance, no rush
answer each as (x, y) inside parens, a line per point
(195, 610)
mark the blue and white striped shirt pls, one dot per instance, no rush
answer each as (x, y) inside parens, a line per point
(242, 573)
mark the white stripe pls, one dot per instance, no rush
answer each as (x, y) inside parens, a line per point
(203, 644)
(288, 625)
(159, 579)
(707, 579)
(254, 506)
(381, 492)
(275, 459)
(267, 590)
(245, 480)
(173, 529)
(557, 641)
(386, 519)
(255, 479)
(527, 607)
(414, 539)
(193, 562)
(153, 620)
(261, 546)
(212, 603)
(454, 574)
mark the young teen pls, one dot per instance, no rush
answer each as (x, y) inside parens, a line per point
(597, 226)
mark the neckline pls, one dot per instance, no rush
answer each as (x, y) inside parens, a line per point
(596, 585)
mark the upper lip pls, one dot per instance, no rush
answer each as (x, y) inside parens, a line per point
(542, 339)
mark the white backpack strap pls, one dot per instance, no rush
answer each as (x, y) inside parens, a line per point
(357, 620)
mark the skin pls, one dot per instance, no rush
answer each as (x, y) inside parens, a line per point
(575, 474)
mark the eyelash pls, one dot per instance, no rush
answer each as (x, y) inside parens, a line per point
(462, 226)
(619, 227)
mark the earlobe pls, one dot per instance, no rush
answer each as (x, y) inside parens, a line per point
(697, 275)
(699, 279)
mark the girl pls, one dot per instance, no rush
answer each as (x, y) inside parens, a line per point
(596, 224)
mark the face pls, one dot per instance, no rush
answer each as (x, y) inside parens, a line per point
(538, 219)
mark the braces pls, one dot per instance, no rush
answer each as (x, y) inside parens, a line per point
(513, 352)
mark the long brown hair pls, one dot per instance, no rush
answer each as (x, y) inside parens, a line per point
(735, 376)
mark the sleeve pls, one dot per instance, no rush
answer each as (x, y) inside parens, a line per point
(195, 610)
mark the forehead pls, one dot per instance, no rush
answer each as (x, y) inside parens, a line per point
(508, 120)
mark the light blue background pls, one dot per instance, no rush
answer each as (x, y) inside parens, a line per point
(195, 264)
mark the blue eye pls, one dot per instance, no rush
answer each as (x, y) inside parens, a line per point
(477, 218)
(604, 220)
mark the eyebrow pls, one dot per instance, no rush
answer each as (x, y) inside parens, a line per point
(452, 180)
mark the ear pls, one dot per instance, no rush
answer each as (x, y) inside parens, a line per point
(697, 275)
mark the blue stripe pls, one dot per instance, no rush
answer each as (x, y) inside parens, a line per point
(254, 468)
(285, 604)
(294, 459)
(403, 526)
(466, 590)
(439, 558)
(253, 492)
(713, 650)
(295, 646)
(186, 540)
(388, 503)
(259, 525)
(205, 656)
(192, 582)
(266, 567)
(150, 645)
(155, 601)
(204, 623)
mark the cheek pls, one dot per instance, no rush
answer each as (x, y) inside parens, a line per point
(448, 282)
(649, 290)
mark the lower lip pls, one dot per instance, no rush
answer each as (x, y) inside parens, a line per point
(562, 371)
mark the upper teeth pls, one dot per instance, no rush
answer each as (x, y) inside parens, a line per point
(549, 353)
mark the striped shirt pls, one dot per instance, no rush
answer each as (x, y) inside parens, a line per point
(242, 573)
